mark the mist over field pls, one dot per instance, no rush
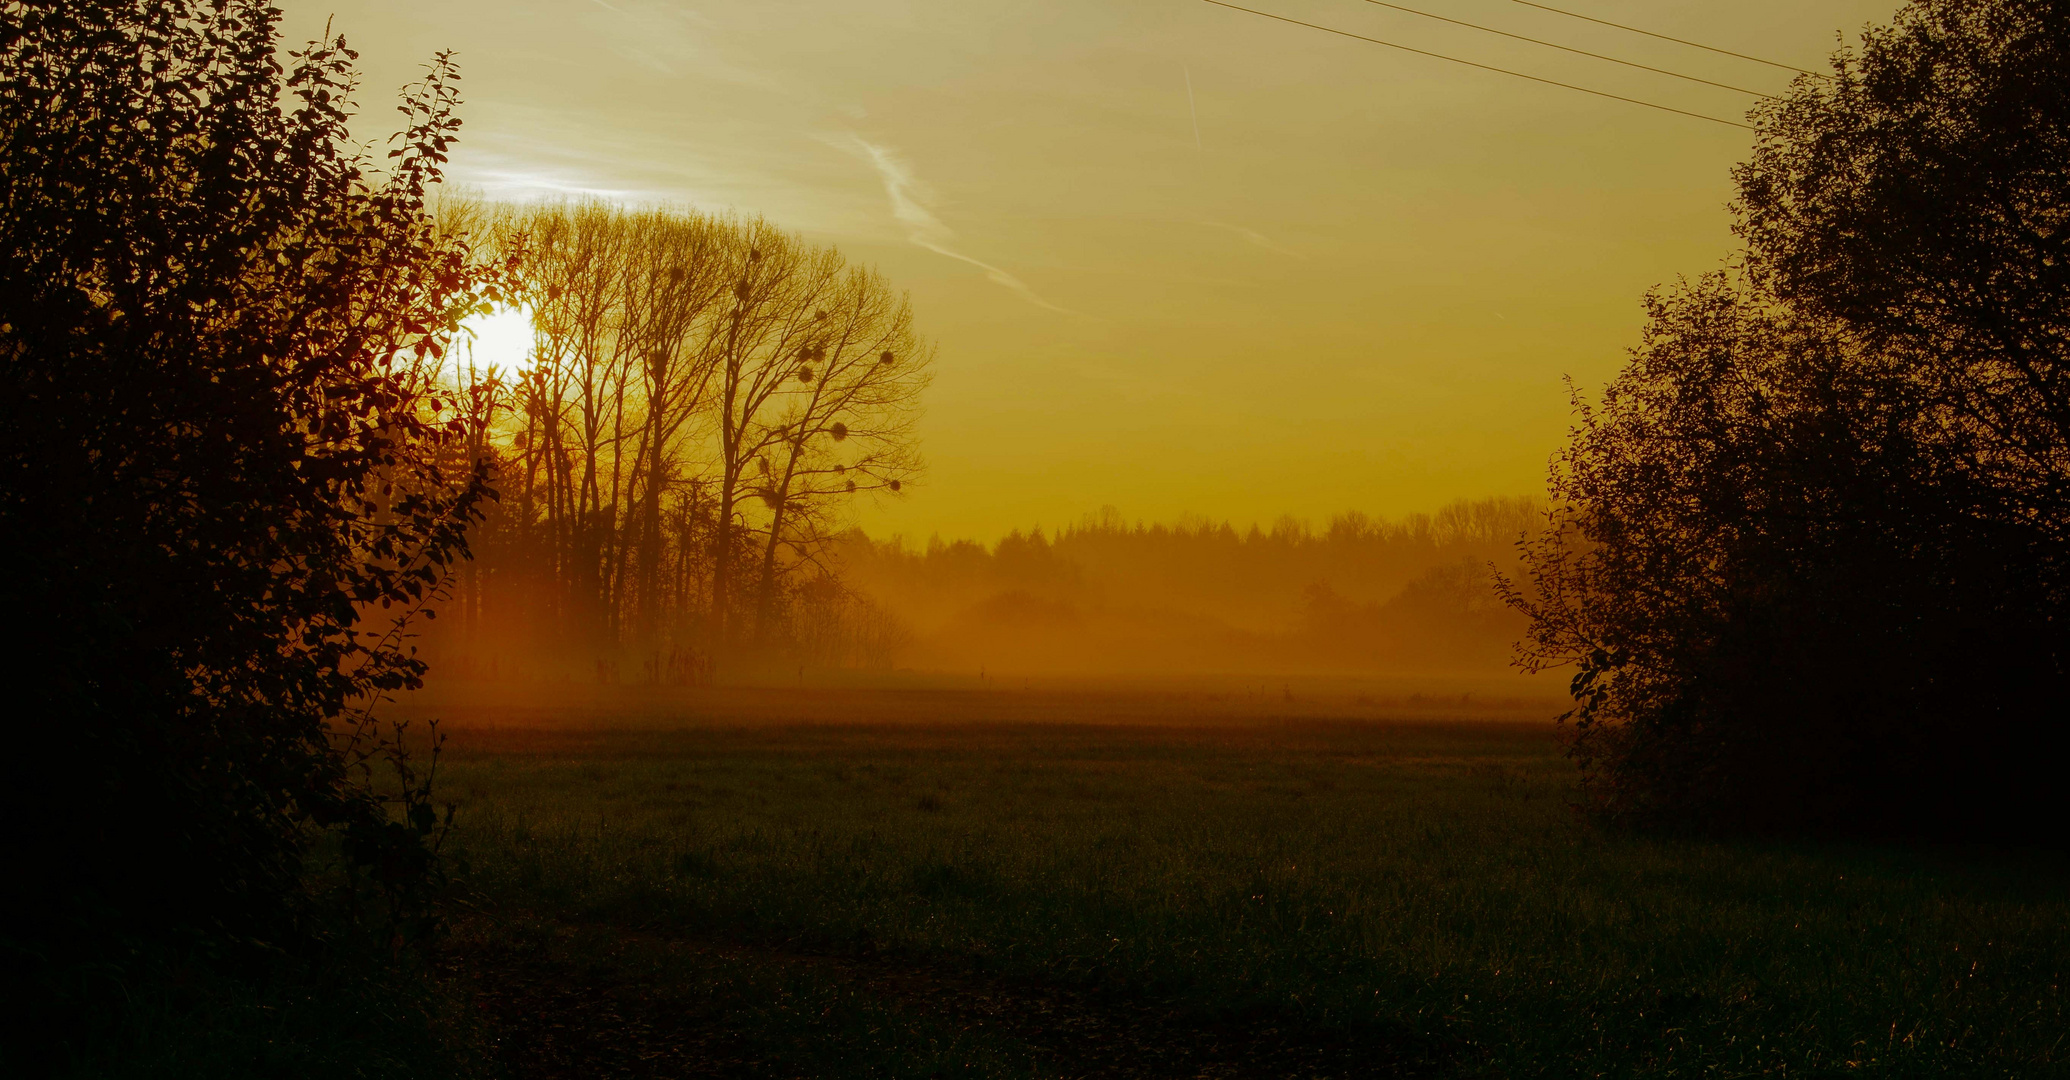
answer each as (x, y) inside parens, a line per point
(921, 539)
(1101, 597)
(1361, 595)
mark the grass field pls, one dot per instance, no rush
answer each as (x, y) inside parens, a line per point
(952, 883)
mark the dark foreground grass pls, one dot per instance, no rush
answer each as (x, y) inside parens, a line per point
(1251, 898)
(341, 1010)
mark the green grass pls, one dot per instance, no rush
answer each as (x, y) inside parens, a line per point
(1425, 886)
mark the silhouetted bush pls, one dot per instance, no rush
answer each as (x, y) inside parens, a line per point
(226, 474)
(1809, 548)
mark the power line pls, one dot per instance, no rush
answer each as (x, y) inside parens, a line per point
(1569, 48)
(1483, 67)
(1664, 37)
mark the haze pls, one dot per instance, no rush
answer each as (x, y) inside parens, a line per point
(1360, 288)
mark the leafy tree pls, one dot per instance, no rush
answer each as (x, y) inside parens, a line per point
(1921, 198)
(227, 477)
(1763, 566)
(1808, 549)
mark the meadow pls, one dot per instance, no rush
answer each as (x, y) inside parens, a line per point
(1058, 883)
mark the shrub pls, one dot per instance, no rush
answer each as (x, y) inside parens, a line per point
(227, 476)
(1809, 549)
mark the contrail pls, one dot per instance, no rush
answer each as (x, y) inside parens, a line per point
(925, 230)
(1255, 237)
(1192, 108)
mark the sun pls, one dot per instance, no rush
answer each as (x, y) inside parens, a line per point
(500, 338)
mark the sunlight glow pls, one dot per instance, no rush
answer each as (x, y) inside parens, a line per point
(501, 339)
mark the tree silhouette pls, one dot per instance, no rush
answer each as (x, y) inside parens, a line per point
(847, 426)
(705, 396)
(227, 474)
(1809, 547)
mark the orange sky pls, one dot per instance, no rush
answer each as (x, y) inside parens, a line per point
(1359, 286)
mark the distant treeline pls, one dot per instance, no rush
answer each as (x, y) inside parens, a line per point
(1362, 594)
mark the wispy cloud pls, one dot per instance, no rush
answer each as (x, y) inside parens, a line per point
(1255, 237)
(526, 184)
(530, 152)
(670, 41)
(909, 204)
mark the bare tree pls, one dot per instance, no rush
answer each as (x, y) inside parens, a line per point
(706, 396)
(778, 287)
(847, 426)
(676, 281)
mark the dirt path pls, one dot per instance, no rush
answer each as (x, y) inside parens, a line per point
(596, 1003)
